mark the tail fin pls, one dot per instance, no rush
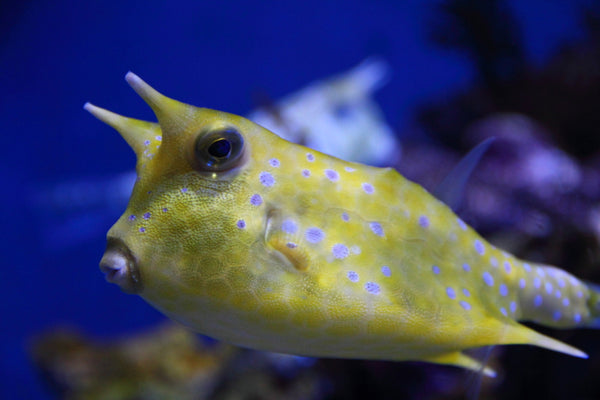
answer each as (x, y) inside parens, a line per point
(553, 297)
(593, 305)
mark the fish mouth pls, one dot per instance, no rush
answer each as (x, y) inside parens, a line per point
(120, 266)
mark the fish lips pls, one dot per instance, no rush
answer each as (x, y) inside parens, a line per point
(120, 266)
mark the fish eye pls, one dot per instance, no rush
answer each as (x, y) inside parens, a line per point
(218, 150)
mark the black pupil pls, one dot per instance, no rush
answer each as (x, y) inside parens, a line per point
(220, 148)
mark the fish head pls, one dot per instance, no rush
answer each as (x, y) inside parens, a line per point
(180, 238)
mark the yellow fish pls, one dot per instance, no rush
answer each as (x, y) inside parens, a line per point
(266, 244)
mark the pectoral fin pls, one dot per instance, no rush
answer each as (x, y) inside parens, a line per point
(283, 238)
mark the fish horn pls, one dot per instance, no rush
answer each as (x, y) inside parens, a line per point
(135, 131)
(170, 113)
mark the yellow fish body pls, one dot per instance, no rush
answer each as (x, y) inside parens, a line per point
(266, 244)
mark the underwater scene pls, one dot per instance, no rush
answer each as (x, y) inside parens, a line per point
(156, 250)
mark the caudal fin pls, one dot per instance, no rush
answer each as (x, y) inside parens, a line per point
(593, 305)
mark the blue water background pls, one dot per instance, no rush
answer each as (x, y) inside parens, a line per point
(56, 55)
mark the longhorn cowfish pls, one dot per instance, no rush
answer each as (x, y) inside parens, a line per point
(270, 245)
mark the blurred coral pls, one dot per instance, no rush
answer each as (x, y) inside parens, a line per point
(562, 95)
(167, 362)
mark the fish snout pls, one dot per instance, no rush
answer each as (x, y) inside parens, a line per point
(120, 266)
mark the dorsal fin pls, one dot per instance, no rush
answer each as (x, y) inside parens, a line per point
(452, 188)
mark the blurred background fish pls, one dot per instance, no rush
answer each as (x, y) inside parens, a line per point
(337, 116)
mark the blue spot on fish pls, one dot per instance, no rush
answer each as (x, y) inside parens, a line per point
(340, 251)
(450, 292)
(556, 315)
(256, 200)
(266, 179)
(353, 276)
(376, 228)
(332, 175)
(372, 287)
(488, 279)
(385, 270)
(368, 188)
(314, 235)
(289, 226)
(479, 247)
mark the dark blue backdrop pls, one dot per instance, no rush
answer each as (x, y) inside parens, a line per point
(55, 55)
